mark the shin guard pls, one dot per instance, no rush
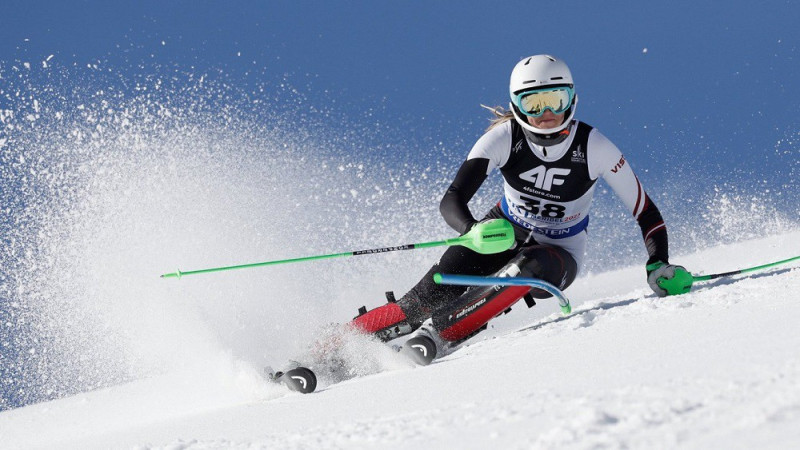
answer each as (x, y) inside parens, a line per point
(473, 310)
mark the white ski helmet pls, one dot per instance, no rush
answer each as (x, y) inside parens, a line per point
(540, 72)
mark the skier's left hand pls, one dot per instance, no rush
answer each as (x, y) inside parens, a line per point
(667, 279)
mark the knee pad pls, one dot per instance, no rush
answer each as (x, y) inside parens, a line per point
(552, 264)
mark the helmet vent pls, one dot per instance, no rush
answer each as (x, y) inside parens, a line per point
(556, 78)
(529, 82)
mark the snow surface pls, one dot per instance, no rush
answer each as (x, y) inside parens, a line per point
(716, 368)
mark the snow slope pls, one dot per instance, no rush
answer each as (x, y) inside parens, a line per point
(716, 368)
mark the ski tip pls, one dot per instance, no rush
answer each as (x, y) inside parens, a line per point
(437, 278)
(420, 349)
(300, 379)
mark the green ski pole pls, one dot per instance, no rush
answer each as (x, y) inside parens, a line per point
(493, 236)
(737, 272)
(683, 284)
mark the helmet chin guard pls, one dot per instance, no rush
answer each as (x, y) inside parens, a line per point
(539, 72)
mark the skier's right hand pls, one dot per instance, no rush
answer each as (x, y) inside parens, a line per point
(667, 279)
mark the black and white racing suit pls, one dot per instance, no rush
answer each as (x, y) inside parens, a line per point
(547, 196)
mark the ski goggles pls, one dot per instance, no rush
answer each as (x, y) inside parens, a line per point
(534, 102)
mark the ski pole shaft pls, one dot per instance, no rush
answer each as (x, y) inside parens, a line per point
(493, 236)
(737, 272)
(179, 274)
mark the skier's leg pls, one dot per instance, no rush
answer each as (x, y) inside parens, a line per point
(466, 315)
(399, 318)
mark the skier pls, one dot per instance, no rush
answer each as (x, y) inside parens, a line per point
(550, 163)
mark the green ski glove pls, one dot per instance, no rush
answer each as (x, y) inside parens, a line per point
(666, 279)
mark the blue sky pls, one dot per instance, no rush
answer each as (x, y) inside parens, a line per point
(679, 86)
(441, 59)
